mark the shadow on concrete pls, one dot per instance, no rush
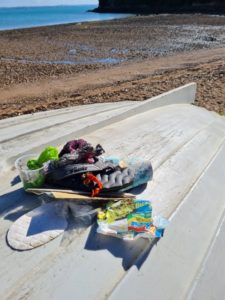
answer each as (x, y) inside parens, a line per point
(15, 180)
(128, 251)
(16, 203)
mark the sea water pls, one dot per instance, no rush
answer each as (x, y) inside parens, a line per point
(25, 17)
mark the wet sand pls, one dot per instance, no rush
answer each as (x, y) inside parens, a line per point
(127, 59)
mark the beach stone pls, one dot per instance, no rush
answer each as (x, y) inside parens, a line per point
(209, 38)
(72, 51)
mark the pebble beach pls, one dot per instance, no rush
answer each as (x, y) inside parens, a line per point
(133, 58)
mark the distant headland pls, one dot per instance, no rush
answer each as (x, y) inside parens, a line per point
(162, 6)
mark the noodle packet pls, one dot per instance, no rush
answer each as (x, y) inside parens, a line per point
(129, 220)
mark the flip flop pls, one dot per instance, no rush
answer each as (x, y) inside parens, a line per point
(68, 174)
(142, 171)
(37, 227)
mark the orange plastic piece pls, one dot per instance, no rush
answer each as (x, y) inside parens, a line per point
(89, 177)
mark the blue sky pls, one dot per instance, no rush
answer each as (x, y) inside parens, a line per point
(16, 3)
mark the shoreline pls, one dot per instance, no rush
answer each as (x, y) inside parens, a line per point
(64, 24)
(30, 82)
(74, 22)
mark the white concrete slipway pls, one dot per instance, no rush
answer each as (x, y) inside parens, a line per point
(186, 145)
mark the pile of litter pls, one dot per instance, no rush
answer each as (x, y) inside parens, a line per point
(80, 172)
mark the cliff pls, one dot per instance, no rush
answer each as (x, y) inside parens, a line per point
(162, 6)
